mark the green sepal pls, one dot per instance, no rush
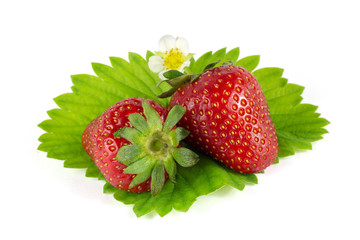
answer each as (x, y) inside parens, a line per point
(129, 154)
(159, 83)
(139, 123)
(172, 74)
(174, 116)
(175, 84)
(179, 81)
(229, 62)
(178, 134)
(170, 167)
(139, 166)
(168, 93)
(210, 65)
(195, 77)
(185, 157)
(141, 177)
(143, 168)
(131, 134)
(152, 116)
(157, 178)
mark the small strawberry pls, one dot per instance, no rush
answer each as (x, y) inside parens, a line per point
(227, 116)
(134, 153)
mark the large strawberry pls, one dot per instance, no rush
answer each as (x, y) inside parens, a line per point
(134, 153)
(227, 116)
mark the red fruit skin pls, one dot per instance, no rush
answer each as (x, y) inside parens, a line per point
(99, 142)
(228, 118)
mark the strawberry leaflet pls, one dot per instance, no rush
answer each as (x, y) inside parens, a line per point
(297, 125)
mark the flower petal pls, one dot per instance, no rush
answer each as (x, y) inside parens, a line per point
(156, 64)
(183, 45)
(166, 43)
(184, 65)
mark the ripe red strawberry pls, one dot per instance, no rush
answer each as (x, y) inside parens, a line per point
(228, 118)
(133, 152)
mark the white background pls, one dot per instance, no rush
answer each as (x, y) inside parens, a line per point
(312, 195)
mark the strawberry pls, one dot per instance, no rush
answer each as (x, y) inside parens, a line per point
(227, 116)
(135, 145)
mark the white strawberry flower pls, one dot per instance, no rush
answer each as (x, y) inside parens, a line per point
(173, 54)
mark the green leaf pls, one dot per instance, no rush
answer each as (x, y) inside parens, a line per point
(91, 87)
(249, 63)
(108, 188)
(290, 94)
(219, 55)
(297, 125)
(76, 162)
(206, 59)
(270, 78)
(115, 78)
(199, 65)
(81, 105)
(125, 70)
(201, 179)
(141, 69)
(232, 55)
(137, 78)
(92, 170)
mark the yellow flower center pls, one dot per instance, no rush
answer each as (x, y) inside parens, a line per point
(173, 59)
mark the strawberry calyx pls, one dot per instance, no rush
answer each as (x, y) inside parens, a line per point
(155, 147)
(177, 79)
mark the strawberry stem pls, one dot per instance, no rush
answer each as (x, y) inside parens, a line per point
(155, 147)
(177, 82)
